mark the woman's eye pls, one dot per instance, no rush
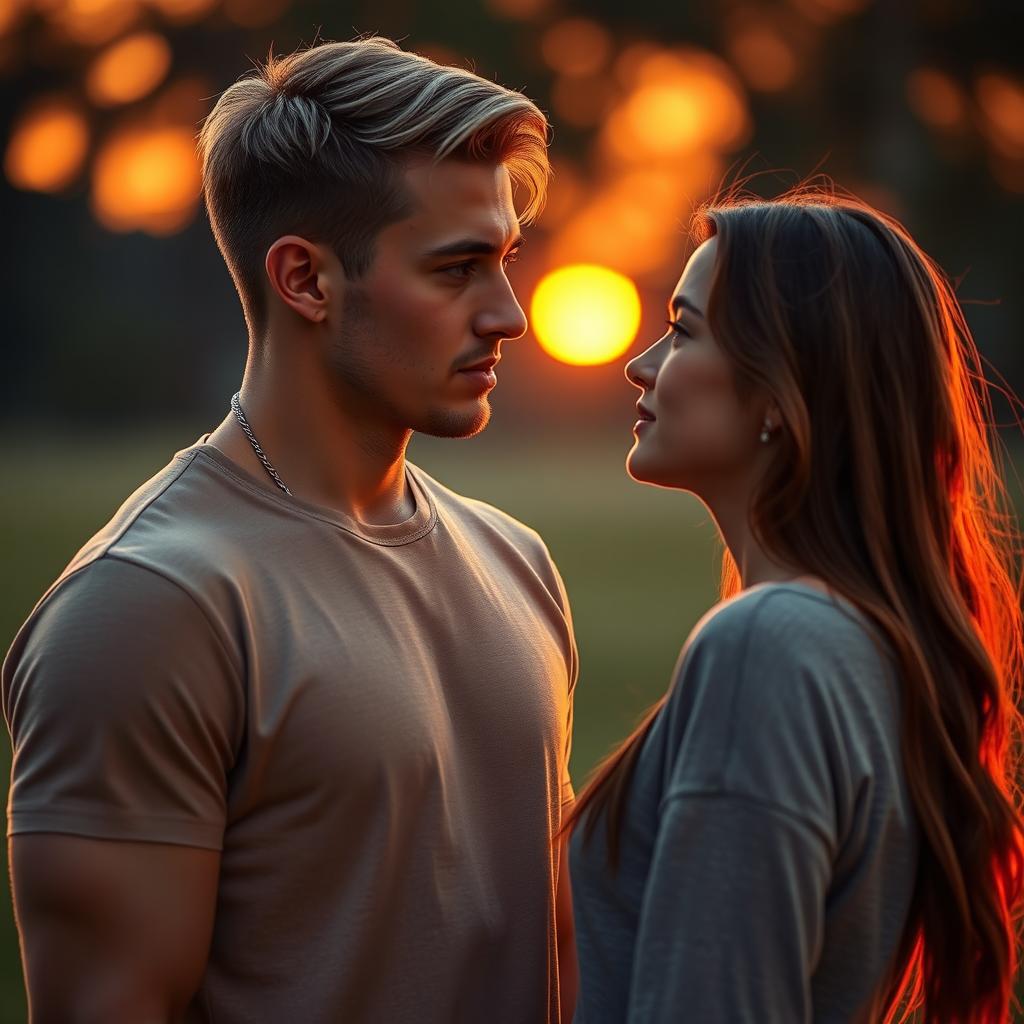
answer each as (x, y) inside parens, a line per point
(677, 328)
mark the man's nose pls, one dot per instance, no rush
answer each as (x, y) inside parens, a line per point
(503, 316)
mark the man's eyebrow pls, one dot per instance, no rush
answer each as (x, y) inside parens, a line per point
(681, 302)
(472, 247)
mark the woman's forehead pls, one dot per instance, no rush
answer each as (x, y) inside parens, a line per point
(695, 282)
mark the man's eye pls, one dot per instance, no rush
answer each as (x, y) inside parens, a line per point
(462, 271)
(512, 257)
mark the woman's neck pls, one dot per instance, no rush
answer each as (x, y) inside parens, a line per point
(755, 565)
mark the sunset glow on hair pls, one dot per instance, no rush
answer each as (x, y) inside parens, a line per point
(884, 484)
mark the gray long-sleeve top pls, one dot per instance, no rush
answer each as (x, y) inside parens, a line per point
(770, 846)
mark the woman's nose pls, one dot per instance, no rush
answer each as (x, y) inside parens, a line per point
(642, 371)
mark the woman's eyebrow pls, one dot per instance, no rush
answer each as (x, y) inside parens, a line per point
(681, 302)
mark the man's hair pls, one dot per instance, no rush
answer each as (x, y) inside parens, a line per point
(315, 144)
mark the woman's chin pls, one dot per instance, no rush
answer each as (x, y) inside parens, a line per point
(644, 469)
(638, 467)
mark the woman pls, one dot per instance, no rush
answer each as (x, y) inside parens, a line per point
(818, 822)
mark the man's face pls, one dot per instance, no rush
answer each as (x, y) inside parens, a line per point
(420, 332)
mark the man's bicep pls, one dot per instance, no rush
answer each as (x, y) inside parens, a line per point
(111, 930)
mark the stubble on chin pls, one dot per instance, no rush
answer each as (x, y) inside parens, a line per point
(449, 423)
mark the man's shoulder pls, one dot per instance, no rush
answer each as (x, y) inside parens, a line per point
(474, 510)
(169, 527)
(127, 516)
(150, 573)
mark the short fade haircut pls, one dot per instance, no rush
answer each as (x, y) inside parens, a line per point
(315, 143)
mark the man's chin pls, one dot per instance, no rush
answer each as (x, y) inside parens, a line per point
(456, 422)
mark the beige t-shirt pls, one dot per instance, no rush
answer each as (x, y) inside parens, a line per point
(371, 723)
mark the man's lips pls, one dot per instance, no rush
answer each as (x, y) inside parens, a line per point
(481, 374)
(482, 366)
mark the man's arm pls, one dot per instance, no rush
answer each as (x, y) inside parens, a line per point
(125, 709)
(568, 966)
(111, 931)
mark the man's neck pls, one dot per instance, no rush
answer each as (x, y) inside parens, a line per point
(324, 454)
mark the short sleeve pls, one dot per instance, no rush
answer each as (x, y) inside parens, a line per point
(125, 710)
(572, 671)
(532, 545)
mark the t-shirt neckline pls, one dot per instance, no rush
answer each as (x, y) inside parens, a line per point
(420, 523)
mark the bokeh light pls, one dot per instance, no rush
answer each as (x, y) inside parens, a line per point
(679, 103)
(936, 98)
(585, 314)
(130, 69)
(182, 12)
(254, 13)
(92, 22)
(763, 55)
(576, 46)
(147, 178)
(635, 223)
(565, 192)
(1002, 105)
(184, 101)
(10, 12)
(582, 102)
(47, 146)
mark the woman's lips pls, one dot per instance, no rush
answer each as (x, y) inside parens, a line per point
(645, 420)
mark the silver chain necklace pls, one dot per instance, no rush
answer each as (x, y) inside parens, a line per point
(236, 408)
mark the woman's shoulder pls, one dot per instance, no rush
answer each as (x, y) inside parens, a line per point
(783, 644)
(782, 620)
(771, 685)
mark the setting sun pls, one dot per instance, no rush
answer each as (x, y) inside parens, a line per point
(585, 314)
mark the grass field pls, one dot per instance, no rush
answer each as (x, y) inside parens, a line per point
(639, 564)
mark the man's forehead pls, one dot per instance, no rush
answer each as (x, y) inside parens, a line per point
(457, 198)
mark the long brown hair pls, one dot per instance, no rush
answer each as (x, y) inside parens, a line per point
(885, 484)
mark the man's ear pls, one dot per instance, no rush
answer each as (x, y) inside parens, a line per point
(303, 274)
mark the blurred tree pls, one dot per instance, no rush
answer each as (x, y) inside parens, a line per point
(117, 305)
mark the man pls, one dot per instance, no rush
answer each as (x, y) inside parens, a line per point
(291, 731)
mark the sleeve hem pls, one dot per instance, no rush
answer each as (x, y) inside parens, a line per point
(133, 829)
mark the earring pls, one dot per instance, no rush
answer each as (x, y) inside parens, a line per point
(766, 435)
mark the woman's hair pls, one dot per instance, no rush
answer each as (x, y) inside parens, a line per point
(315, 144)
(884, 484)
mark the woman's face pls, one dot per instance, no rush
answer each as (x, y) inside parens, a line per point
(694, 431)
